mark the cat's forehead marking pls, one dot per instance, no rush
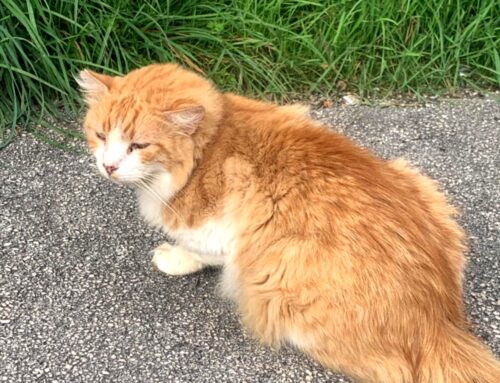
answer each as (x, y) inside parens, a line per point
(117, 128)
(116, 148)
(115, 134)
(113, 129)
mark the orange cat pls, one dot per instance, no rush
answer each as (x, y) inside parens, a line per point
(354, 260)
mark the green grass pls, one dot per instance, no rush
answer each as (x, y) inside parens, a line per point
(274, 48)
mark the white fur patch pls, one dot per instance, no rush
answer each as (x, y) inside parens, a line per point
(213, 241)
(116, 148)
(215, 244)
(151, 201)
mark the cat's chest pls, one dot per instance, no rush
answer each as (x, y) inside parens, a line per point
(213, 239)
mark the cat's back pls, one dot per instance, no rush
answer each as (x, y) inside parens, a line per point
(285, 140)
(318, 179)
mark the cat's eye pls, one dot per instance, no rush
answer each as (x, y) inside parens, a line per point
(101, 136)
(134, 146)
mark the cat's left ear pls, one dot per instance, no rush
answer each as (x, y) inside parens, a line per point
(93, 85)
(188, 119)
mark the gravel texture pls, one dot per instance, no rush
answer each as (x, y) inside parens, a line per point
(79, 301)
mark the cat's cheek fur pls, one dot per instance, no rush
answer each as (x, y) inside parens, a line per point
(131, 169)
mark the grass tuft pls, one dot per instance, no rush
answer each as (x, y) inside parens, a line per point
(277, 48)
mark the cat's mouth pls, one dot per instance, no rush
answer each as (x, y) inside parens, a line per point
(117, 178)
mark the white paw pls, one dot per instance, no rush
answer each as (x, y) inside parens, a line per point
(175, 260)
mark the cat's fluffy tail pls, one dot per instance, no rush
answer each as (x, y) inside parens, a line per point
(458, 357)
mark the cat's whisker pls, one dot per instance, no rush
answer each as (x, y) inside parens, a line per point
(166, 204)
(147, 188)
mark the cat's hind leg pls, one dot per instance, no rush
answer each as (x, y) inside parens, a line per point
(176, 260)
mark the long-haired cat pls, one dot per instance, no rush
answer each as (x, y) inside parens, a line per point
(356, 261)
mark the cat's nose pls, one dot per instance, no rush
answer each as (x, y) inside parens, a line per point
(110, 168)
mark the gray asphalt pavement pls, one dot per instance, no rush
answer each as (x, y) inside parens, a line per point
(79, 301)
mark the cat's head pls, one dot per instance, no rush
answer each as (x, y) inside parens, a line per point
(152, 122)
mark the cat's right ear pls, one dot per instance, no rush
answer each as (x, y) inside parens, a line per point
(93, 85)
(188, 119)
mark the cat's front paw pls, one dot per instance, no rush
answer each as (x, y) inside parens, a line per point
(175, 260)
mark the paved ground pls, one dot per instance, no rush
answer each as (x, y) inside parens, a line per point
(79, 301)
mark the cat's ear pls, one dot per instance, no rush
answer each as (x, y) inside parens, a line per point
(93, 85)
(188, 119)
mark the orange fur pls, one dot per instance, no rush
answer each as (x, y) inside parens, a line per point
(356, 261)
